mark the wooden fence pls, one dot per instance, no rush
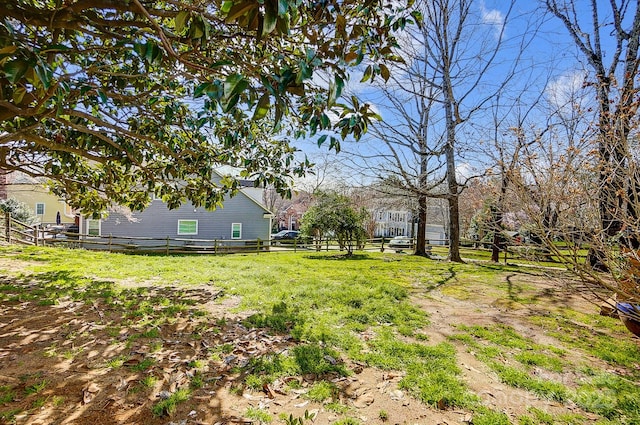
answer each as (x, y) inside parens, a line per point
(14, 231)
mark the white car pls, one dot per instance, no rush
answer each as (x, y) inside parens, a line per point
(401, 242)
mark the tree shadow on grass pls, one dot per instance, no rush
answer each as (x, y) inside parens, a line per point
(444, 279)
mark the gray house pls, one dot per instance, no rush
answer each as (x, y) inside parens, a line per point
(240, 220)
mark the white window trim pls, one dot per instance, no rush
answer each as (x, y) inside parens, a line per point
(232, 226)
(187, 233)
(44, 208)
(89, 220)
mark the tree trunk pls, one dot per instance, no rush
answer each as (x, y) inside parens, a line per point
(454, 230)
(421, 248)
(498, 240)
(452, 183)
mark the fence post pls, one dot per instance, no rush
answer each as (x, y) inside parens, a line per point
(215, 246)
(258, 245)
(167, 245)
(36, 235)
(110, 235)
(7, 226)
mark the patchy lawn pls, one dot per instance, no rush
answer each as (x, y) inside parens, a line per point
(296, 338)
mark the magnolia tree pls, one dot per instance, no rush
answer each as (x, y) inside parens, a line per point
(116, 101)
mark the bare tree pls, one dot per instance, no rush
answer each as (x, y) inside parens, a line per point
(614, 80)
(510, 143)
(443, 84)
(607, 37)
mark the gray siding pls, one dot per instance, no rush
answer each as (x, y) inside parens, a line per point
(158, 221)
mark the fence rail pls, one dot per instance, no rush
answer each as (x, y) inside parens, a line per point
(14, 231)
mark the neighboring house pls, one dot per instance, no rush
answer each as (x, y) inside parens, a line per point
(290, 214)
(241, 218)
(401, 223)
(291, 217)
(436, 234)
(393, 223)
(48, 208)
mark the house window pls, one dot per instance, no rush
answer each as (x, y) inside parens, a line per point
(93, 227)
(236, 231)
(39, 209)
(187, 227)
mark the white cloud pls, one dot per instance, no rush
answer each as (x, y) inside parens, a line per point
(494, 18)
(564, 92)
(465, 171)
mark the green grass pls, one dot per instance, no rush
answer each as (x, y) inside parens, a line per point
(540, 417)
(611, 396)
(9, 416)
(489, 342)
(593, 336)
(116, 362)
(432, 373)
(519, 378)
(35, 388)
(326, 303)
(259, 415)
(7, 394)
(143, 365)
(322, 391)
(169, 405)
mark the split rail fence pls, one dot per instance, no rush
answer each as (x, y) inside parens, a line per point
(15, 232)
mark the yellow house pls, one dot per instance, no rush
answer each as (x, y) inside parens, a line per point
(47, 207)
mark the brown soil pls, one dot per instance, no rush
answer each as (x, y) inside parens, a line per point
(66, 346)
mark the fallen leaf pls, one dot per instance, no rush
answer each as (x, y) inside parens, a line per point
(89, 392)
(267, 390)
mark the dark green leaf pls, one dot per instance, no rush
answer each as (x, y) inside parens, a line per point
(339, 86)
(44, 74)
(283, 7)
(200, 90)
(367, 74)
(231, 102)
(140, 49)
(262, 108)
(240, 9)
(384, 72)
(181, 20)
(103, 96)
(15, 70)
(234, 84)
(325, 121)
(270, 17)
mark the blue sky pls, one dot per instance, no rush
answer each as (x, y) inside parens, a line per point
(550, 65)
